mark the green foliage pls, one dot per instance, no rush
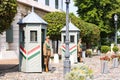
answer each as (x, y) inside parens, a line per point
(118, 39)
(79, 72)
(115, 49)
(8, 9)
(105, 41)
(89, 33)
(99, 12)
(56, 21)
(105, 49)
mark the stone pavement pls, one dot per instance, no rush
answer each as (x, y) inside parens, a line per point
(95, 64)
(10, 72)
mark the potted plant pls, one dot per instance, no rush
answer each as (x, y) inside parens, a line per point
(114, 58)
(104, 64)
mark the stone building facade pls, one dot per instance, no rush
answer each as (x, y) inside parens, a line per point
(9, 40)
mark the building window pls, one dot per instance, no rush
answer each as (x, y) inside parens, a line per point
(36, 0)
(9, 35)
(56, 4)
(47, 2)
(33, 36)
(72, 38)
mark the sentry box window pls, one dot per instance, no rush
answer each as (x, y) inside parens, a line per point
(22, 36)
(33, 36)
(72, 39)
(64, 38)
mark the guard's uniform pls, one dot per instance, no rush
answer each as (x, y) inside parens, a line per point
(47, 54)
(79, 52)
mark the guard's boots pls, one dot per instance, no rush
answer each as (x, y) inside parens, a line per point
(46, 68)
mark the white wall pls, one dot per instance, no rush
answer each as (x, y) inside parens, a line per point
(41, 1)
(52, 3)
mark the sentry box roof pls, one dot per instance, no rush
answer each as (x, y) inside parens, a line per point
(32, 18)
(72, 27)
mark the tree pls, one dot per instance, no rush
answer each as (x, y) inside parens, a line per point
(99, 12)
(8, 9)
(56, 21)
(89, 33)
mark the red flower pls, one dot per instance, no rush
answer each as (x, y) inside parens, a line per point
(105, 58)
(114, 56)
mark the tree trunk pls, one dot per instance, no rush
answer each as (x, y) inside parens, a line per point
(88, 45)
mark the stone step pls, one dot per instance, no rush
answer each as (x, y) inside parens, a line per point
(9, 61)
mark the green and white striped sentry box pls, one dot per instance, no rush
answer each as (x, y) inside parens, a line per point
(32, 35)
(73, 39)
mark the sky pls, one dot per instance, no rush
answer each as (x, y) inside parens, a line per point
(72, 8)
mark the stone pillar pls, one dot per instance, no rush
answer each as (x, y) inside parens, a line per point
(3, 44)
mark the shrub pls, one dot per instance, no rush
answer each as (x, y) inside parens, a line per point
(115, 49)
(105, 49)
(89, 52)
(79, 72)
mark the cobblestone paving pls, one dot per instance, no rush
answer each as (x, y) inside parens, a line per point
(94, 63)
(16, 75)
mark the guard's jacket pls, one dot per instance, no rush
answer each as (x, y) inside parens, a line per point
(46, 49)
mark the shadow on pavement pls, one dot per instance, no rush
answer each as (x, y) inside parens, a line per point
(5, 68)
(52, 69)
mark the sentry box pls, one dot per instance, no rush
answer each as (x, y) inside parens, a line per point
(73, 38)
(32, 35)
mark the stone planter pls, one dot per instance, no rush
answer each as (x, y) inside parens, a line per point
(104, 66)
(115, 62)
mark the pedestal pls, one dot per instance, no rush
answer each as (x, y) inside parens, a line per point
(56, 58)
(115, 62)
(104, 66)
